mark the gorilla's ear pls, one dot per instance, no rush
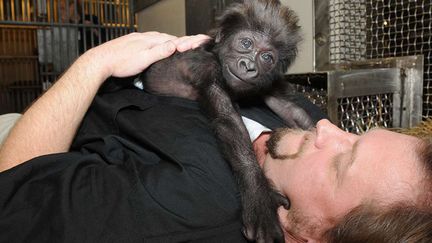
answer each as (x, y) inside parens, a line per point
(218, 36)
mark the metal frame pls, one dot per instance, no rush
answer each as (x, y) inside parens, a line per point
(393, 88)
(402, 76)
(321, 35)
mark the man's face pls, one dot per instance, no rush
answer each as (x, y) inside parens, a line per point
(327, 172)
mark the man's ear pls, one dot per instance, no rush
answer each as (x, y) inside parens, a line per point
(306, 237)
(299, 237)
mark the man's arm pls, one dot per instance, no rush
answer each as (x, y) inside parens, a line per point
(50, 124)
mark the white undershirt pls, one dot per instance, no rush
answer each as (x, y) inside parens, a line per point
(254, 128)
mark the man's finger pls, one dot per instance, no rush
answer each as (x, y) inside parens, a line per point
(158, 52)
(152, 39)
(191, 42)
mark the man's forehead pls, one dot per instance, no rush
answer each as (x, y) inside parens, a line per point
(392, 159)
(380, 134)
(382, 144)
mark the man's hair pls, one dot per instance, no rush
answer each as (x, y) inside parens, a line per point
(398, 223)
(423, 131)
(424, 152)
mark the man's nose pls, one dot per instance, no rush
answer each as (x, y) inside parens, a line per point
(329, 134)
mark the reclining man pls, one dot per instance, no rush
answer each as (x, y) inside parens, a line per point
(147, 168)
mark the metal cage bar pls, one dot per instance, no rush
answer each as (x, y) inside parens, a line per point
(39, 39)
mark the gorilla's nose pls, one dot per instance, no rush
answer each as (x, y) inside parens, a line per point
(247, 65)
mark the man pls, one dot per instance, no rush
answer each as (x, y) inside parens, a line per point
(328, 172)
(133, 176)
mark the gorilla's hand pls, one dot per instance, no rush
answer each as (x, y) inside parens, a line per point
(260, 218)
(287, 109)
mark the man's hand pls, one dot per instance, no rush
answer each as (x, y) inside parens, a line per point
(132, 53)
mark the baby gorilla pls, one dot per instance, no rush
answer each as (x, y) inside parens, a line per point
(253, 44)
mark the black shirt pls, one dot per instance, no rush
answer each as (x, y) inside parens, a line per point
(142, 168)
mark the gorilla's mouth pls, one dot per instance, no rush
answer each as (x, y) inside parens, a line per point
(232, 74)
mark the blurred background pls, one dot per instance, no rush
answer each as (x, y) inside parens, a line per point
(365, 62)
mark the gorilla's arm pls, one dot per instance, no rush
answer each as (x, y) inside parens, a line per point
(259, 200)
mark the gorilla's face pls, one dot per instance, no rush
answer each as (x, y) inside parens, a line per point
(248, 61)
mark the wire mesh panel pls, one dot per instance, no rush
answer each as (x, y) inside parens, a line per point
(347, 30)
(401, 28)
(359, 114)
(56, 33)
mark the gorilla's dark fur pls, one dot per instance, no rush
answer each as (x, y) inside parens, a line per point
(253, 44)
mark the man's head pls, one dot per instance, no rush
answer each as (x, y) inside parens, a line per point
(327, 172)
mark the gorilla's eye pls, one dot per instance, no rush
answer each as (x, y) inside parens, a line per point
(246, 43)
(267, 57)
